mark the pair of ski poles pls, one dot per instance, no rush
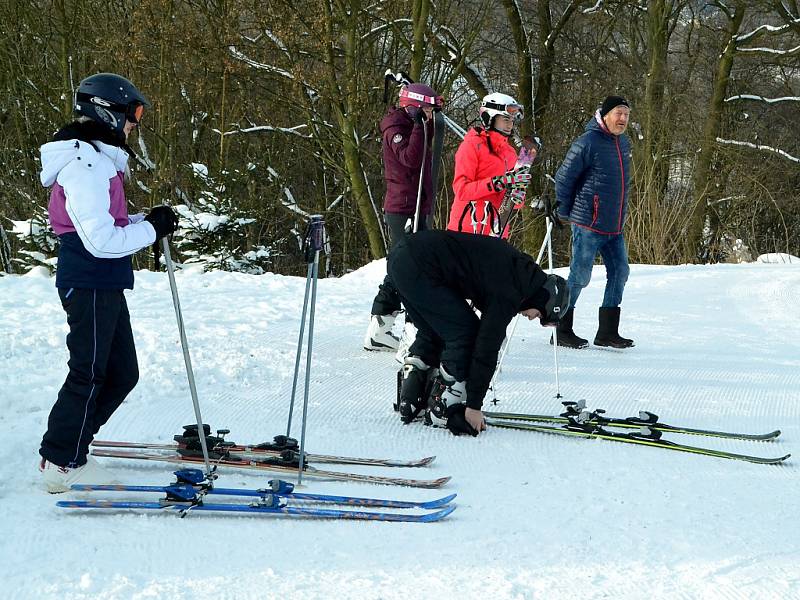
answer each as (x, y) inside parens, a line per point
(313, 244)
(547, 244)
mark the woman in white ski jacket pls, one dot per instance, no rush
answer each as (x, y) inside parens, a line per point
(84, 166)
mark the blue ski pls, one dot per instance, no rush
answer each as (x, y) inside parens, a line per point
(181, 489)
(259, 508)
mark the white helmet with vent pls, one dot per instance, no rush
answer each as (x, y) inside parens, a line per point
(495, 104)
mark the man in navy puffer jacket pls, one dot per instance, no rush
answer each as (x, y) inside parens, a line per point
(592, 194)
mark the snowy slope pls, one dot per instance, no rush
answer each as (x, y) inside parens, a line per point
(539, 516)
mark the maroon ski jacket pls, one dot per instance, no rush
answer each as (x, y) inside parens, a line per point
(402, 158)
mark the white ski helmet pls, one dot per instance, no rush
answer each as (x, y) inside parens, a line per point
(499, 104)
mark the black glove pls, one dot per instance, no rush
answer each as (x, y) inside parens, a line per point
(419, 115)
(164, 221)
(457, 423)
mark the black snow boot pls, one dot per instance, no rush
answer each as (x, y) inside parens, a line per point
(607, 332)
(567, 337)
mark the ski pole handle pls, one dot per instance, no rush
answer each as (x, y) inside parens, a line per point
(314, 241)
(317, 232)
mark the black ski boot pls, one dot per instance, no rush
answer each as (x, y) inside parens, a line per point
(414, 383)
(607, 331)
(567, 337)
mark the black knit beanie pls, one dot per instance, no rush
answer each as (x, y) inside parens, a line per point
(610, 103)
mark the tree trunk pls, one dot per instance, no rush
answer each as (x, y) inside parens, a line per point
(344, 104)
(420, 18)
(702, 172)
(524, 69)
(656, 146)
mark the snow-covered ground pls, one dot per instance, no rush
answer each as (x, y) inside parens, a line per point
(538, 516)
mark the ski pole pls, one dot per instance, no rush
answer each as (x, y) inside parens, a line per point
(421, 172)
(550, 270)
(299, 353)
(314, 242)
(504, 349)
(454, 127)
(186, 358)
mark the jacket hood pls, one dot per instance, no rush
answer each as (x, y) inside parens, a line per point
(57, 155)
(596, 124)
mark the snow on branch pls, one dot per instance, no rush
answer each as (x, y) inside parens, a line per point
(768, 29)
(759, 147)
(763, 99)
(257, 128)
(277, 41)
(257, 65)
(593, 9)
(773, 51)
(384, 26)
(291, 204)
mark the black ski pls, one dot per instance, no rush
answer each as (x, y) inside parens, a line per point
(575, 410)
(645, 437)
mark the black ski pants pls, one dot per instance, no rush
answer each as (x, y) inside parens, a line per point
(387, 301)
(446, 325)
(102, 371)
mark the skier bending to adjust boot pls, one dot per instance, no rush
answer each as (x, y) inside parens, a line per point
(85, 164)
(455, 352)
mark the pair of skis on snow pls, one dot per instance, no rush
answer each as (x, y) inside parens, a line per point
(279, 456)
(190, 491)
(576, 421)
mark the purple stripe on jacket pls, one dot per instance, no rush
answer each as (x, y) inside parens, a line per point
(57, 208)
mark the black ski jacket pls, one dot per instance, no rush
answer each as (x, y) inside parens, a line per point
(498, 279)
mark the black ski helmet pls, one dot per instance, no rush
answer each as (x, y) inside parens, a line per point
(109, 99)
(558, 302)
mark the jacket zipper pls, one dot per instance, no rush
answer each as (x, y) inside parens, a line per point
(622, 184)
(596, 208)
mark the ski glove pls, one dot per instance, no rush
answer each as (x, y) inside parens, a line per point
(164, 221)
(457, 423)
(515, 179)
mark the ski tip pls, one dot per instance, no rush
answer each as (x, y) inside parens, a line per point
(773, 461)
(438, 515)
(439, 502)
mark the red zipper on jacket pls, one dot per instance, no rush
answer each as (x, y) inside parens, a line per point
(622, 187)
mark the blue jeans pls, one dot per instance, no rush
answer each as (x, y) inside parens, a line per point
(585, 246)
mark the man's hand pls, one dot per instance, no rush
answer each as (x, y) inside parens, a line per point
(475, 419)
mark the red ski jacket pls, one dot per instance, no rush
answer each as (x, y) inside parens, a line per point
(476, 203)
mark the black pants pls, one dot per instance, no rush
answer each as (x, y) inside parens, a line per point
(446, 325)
(102, 371)
(386, 300)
